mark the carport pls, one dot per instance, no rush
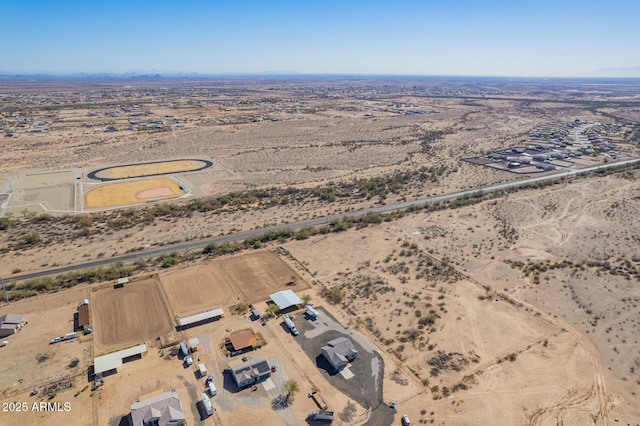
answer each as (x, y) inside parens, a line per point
(285, 299)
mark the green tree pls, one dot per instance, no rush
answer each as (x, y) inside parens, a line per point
(170, 259)
(6, 222)
(290, 388)
(272, 309)
(83, 221)
(334, 295)
(306, 298)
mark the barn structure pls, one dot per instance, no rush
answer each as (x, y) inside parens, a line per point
(10, 324)
(285, 299)
(241, 341)
(199, 319)
(83, 316)
(111, 362)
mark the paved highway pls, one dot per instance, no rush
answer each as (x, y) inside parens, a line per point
(311, 222)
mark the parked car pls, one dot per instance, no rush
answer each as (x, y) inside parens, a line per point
(188, 360)
(56, 340)
(405, 420)
(4, 343)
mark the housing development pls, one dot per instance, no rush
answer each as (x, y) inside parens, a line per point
(319, 249)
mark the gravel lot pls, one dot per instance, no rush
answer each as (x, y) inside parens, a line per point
(368, 368)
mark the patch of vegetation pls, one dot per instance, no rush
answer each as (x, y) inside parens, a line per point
(333, 295)
(51, 284)
(628, 268)
(170, 259)
(239, 309)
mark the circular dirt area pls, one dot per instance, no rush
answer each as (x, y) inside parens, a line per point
(153, 168)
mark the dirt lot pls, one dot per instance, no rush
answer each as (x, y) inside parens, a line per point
(130, 315)
(259, 274)
(221, 283)
(196, 289)
(29, 360)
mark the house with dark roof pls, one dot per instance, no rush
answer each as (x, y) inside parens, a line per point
(339, 352)
(250, 372)
(160, 410)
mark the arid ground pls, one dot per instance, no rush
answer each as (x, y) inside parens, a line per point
(520, 308)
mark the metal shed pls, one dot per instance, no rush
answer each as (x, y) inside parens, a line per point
(285, 299)
(114, 360)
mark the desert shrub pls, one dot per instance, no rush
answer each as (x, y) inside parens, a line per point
(334, 295)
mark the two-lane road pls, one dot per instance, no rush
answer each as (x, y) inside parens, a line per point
(311, 222)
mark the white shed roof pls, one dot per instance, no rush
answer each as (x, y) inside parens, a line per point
(11, 319)
(114, 360)
(201, 317)
(285, 298)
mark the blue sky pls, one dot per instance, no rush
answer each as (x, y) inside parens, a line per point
(500, 38)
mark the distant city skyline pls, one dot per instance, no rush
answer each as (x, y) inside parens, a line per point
(460, 38)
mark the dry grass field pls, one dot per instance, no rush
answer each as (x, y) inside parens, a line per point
(131, 192)
(126, 316)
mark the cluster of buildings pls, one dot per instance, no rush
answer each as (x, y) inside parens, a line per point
(574, 135)
(553, 146)
(166, 409)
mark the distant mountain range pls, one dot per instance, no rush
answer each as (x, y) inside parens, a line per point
(618, 72)
(154, 75)
(633, 72)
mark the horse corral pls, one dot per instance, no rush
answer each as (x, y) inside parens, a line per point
(221, 283)
(126, 316)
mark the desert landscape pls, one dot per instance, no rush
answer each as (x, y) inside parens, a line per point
(514, 306)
